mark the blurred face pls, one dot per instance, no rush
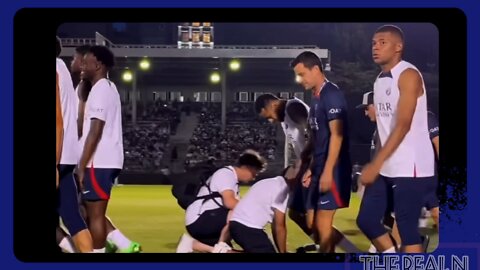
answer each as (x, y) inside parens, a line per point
(90, 66)
(308, 77)
(247, 174)
(76, 64)
(386, 47)
(268, 112)
(370, 112)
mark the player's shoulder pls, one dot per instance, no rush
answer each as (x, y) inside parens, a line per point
(406, 70)
(331, 90)
(104, 87)
(62, 69)
(224, 173)
(295, 104)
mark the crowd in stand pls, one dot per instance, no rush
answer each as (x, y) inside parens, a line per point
(145, 145)
(208, 141)
(157, 111)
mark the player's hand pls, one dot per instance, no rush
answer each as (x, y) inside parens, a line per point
(80, 174)
(58, 176)
(307, 178)
(326, 182)
(369, 173)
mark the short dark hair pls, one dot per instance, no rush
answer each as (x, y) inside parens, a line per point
(82, 50)
(308, 59)
(252, 158)
(263, 100)
(59, 46)
(391, 29)
(104, 55)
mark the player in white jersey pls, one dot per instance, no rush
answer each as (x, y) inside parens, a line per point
(292, 114)
(116, 240)
(102, 156)
(431, 198)
(265, 202)
(67, 188)
(206, 218)
(404, 165)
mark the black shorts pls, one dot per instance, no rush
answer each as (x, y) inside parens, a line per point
(251, 240)
(208, 227)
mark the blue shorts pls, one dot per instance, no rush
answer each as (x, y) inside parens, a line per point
(98, 183)
(408, 196)
(336, 198)
(431, 199)
(68, 208)
(339, 194)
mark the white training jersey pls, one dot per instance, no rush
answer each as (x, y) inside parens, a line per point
(294, 133)
(256, 208)
(69, 103)
(222, 180)
(414, 156)
(104, 104)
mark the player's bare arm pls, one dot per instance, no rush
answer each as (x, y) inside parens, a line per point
(229, 200)
(279, 231)
(436, 145)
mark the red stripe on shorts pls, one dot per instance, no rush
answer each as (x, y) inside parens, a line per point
(336, 194)
(96, 186)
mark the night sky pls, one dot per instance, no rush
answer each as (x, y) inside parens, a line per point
(347, 41)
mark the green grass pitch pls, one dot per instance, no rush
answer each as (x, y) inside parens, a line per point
(151, 216)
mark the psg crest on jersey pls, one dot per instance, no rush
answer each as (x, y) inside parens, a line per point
(388, 91)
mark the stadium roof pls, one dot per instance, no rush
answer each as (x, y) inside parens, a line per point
(173, 66)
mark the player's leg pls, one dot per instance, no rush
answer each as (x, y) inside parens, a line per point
(310, 205)
(324, 225)
(396, 235)
(117, 241)
(297, 205)
(69, 211)
(207, 229)
(435, 212)
(372, 210)
(338, 197)
(98, 184)
(64, 241)
(301, 220)
(187, 244)
(96, 223)
(409, 198)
